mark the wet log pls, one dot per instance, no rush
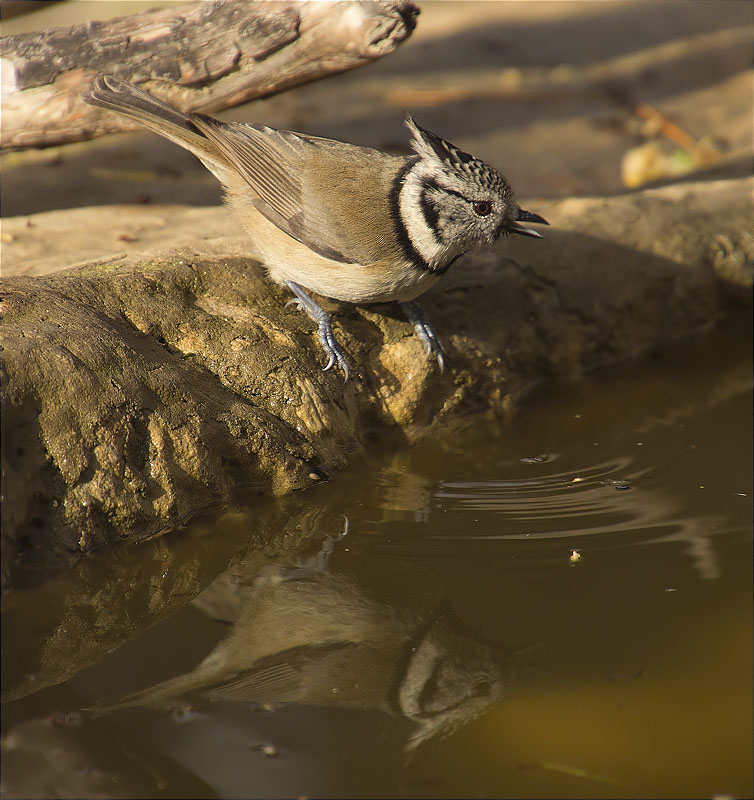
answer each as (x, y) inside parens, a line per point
(203, 56)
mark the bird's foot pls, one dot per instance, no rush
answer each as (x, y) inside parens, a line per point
(422, 328)
(324, 327)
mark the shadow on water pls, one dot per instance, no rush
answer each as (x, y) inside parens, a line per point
(369, 637)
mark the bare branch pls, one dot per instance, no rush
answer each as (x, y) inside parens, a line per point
(203, 56)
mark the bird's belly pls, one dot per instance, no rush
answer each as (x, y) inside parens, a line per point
(353, 283)
(288, 259)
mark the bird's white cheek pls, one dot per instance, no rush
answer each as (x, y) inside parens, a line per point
(422, 237)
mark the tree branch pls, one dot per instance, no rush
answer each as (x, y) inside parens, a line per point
(203, 56)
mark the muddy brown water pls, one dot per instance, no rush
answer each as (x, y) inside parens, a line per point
(558, 605)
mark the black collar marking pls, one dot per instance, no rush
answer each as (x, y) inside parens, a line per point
(409, 251)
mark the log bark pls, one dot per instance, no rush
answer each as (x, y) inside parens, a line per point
(203, 56)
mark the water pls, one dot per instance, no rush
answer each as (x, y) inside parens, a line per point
(558, 605)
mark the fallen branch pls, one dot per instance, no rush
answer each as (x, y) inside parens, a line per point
(203, 56)
(718, 53)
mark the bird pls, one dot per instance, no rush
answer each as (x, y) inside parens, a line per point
(346, 222)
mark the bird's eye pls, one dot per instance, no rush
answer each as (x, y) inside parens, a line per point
(482, 207)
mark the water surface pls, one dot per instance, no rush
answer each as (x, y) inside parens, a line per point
(556, 605)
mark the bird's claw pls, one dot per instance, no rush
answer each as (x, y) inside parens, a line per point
(424, 332)
(324, 327)
(331, 348)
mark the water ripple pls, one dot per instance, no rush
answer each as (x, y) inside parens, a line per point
(589, 503)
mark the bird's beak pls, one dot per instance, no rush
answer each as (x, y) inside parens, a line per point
(527, 216)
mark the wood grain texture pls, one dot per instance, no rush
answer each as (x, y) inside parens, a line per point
(203, 56)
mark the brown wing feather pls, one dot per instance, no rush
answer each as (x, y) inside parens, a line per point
(272, 163)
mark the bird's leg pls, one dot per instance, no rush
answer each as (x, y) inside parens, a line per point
(415, 315)
(324, 327)
(320, 563)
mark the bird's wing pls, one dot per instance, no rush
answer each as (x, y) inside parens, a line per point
(275, 165)
(277, 678)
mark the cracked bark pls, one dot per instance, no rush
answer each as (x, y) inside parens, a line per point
(203, 56)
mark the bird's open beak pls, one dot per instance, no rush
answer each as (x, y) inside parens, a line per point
(527, 216)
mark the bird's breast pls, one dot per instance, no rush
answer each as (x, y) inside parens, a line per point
(385, 280)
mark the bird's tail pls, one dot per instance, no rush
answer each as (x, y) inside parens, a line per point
(116, 95)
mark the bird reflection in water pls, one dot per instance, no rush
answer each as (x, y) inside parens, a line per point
(311, 636)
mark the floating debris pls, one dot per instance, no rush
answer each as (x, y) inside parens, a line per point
(619, 485)
(578, 772)
(268, 750)
(184, 714)
(542, 458)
